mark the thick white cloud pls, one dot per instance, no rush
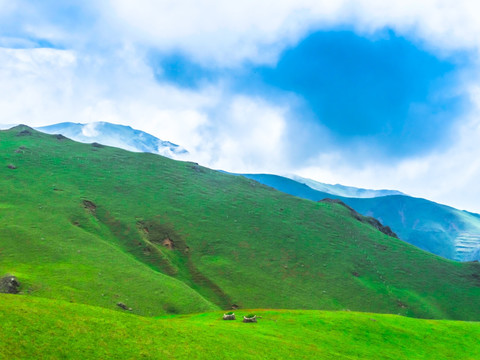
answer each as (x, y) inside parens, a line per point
(34, 84)
(448, 176)
(103, 76)
(230, 32)
(222, 32)
(441, 24)
(248, 135)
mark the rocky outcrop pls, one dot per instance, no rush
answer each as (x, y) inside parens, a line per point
(365, 219)
(123, 306)
(378, 225)
(9, 285)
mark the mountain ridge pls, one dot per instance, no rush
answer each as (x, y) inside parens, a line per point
(121, 136)
(343, 190)
(437, 228)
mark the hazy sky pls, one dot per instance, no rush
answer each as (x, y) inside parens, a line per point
(368, 93)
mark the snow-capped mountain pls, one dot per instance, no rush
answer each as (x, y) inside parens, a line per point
(116, 135)
(342, 190)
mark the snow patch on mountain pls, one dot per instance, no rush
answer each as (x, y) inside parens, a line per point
(342, 190)
(120, 136)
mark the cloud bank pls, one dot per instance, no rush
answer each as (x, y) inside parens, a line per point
(213, 77)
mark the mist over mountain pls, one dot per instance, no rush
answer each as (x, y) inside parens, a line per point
(342, 190)
(120, 136)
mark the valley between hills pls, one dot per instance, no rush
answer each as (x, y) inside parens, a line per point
(86, 227)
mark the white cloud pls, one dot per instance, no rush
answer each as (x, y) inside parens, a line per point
(231, 32)
(34, 83)
(217, 31)
(449, 176)
(442, 24)
(90, 130)
(247, 135)
(228, 33)
(45, 86)
(102, 76)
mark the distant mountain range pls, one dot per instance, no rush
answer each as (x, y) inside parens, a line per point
(342, 190)
(439, 229)
(120, 136)
(436, 228)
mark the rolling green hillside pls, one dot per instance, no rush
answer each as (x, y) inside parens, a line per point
(98, 225)
(33, 328)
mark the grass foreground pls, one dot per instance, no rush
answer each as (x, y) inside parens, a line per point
(51, 329)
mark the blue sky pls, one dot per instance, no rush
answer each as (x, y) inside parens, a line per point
(365, 93)
(383, 87)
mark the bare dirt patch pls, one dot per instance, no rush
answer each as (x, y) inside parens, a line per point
(168, 243)
(90, 206)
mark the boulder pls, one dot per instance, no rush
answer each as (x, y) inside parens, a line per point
(250, 319)
(9, 285)
(123, 306)
(228, 316)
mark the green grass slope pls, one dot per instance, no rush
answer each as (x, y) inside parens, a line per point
(98, 225)
(33, 328)
(439, 229)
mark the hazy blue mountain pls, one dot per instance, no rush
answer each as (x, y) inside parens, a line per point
(116, 135)
(440, 229)
(342, 190)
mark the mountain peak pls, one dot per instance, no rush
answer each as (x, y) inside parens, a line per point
(343, 190)
(121, 136)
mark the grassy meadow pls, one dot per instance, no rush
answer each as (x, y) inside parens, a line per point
(35, 328)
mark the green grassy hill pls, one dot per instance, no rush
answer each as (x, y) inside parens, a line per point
(439, 229)
(98, 225)
(33, 328)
